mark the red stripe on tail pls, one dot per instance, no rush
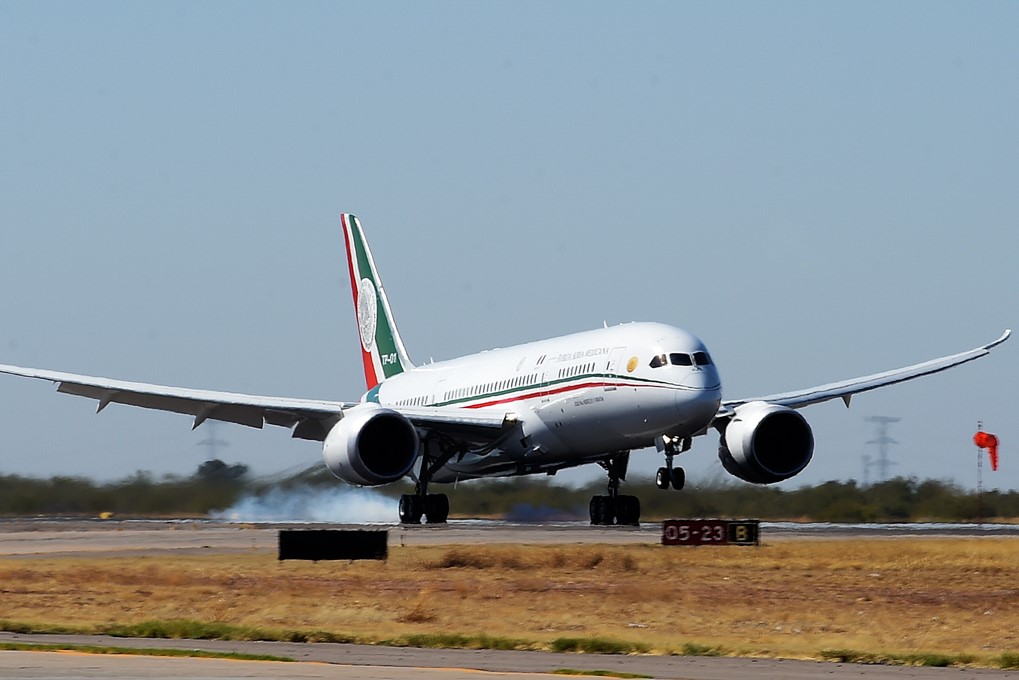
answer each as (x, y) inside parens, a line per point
(370, 378)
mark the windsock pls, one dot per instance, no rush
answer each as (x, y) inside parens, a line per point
(986, 440)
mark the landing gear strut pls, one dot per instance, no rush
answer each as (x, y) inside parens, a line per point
(615, 508)
(434, 507)
(669, 476)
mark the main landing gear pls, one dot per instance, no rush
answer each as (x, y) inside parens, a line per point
(669, 476)
(615, 508)
(434, 507)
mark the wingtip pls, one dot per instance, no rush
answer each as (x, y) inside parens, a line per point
(1003, 338)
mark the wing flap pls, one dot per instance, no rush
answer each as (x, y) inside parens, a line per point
(480, 428)
(311, 418)
(200, 409)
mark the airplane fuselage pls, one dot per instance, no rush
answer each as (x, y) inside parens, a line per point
(576, 398)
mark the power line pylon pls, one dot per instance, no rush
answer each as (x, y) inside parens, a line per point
(882, 441)
(212, 442)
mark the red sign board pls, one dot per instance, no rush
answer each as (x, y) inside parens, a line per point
(710, 532)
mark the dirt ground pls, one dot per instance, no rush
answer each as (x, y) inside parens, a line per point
(791, 598)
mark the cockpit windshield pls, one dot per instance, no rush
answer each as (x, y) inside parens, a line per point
(681, 359)
(678, 359)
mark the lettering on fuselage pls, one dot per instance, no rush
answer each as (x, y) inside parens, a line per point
(568, 356)
(588, 402)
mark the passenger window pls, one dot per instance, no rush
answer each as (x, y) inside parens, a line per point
(658, 361)
(679, 359)
(701, 358)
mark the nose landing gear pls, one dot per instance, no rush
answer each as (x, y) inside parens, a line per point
(669, 476)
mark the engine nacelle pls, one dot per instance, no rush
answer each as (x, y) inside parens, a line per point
(371, 445)
(766, 443)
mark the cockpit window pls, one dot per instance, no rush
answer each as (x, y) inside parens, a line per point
(681, 359)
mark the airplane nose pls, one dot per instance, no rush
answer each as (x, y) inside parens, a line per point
(698, 402)
(701, 379)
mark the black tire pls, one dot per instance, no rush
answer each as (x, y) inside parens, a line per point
(662, 479)
(436, 508)
(622, 509)
(596, 512)
(410, 509)
(628, 510)
(678, 479)
(603, 510)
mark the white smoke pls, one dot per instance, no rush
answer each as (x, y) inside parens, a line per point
(339, 504)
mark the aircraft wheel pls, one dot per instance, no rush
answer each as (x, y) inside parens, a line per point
(410, 509)
(436, 508)
(603, 510)
(678, 479)
(623, 509)
(662, 479)
(627, 510)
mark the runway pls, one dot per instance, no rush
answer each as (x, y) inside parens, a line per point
(324, 660)
(38, 537)
(54, 665)
(25, 538)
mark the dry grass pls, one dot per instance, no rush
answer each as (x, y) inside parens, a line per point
(791, 599)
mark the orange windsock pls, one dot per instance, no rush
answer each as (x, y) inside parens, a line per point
(986, 440)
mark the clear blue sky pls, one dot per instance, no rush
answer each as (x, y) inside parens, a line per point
(817, 190)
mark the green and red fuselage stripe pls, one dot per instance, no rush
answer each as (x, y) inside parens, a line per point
(553, 388)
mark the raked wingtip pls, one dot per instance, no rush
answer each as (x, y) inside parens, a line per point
(1003, 338)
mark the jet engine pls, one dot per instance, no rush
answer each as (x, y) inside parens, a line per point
(371, 445)
(766, 443)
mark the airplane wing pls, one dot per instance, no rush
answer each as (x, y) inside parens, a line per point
(310, 419)
(308, 416)
(845, 389)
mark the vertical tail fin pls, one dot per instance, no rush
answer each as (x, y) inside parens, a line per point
(382, 348)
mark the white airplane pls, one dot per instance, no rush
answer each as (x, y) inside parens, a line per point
(590, 397)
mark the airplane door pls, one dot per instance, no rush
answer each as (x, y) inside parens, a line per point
(546, 378)
(439, 396)
(612, 367)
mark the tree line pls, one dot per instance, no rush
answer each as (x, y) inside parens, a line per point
(216, 486)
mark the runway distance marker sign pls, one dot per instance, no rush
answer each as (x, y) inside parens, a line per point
(710, 532)
(333, 544)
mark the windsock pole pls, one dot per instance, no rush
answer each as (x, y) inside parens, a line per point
(980, 479)
(984, 440)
